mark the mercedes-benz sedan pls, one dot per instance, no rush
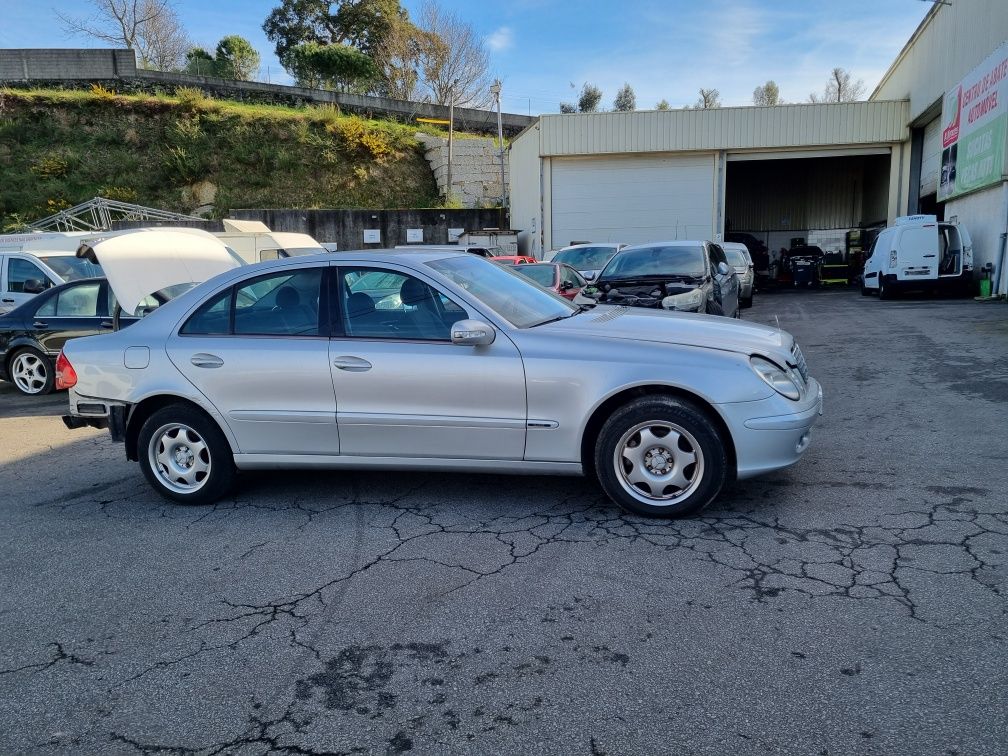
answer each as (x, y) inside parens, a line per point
(433, 360)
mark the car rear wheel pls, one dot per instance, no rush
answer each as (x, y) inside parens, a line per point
(185, 456)
(31, 372)
(661, 457)
(883, 290)
(714, 308)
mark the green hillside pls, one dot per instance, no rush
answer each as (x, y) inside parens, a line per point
(186, 151)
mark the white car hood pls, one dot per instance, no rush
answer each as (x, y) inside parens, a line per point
(141, 263)
(687, 329)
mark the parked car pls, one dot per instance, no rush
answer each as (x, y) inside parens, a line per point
(805, 262)
(32, 335)
(919, 253)
(476, 370)
(33, 262)
(561, 279)
(740, 259)
(687, 276)
(587, 259)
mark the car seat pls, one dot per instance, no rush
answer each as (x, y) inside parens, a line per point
(424, 320)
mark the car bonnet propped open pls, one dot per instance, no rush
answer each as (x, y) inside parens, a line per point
(141, 262)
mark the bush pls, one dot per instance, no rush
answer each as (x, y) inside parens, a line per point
(54, 165)
(193, 98)
(103, 94)
(358, 137)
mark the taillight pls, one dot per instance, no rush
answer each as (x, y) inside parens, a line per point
(66, 376)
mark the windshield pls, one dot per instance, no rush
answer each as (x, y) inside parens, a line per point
(586, 258)
(503, 290)
(656, 261)
(71, 268)
(541, 274)
(736, 257)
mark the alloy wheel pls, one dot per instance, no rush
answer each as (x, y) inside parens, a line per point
(659, 463)
(30, 373)
(179, 457)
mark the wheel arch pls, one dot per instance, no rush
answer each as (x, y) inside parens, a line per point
(626, 395)
(146, 407)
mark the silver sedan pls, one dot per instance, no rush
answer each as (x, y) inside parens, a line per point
(439, 361)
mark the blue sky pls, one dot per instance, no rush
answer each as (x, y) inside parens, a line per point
(539, 48)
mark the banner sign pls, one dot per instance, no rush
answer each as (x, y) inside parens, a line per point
(974, 128)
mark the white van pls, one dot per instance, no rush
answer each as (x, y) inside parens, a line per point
(254, 242)
(919, 253)
(30, 263)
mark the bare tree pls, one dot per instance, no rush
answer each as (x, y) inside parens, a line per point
(151, 28)
(840, 88)
(766, 94)
(398, 57)
(709, 98)
(453, 62)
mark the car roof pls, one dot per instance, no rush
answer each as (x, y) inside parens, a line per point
(613, 245)
(670, 243)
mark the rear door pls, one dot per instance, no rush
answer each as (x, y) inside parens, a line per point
(917, 256)
(75, 311)
(727, 282)
(259, 352)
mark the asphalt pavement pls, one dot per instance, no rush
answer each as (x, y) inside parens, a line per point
(854, 604)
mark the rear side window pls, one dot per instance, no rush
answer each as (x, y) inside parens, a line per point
(74, 302)
(213, 318)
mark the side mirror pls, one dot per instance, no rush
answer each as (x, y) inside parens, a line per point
(34, 286)
(472, 333)
(566, 286)
(723, 268)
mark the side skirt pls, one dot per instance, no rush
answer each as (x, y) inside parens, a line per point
(337, 462)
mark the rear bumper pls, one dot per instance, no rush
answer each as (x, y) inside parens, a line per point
(773, 433)
(97, 414)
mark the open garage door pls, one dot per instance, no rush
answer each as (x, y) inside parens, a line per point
(632, 199)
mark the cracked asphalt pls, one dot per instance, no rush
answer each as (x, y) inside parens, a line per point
(852, 604)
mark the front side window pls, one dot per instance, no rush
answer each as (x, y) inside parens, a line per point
(19, 271)
(541, 274)
(377, 303)
(503, 290)
(736, 257)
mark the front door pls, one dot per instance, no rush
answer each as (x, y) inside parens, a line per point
(259, 351)
(16, 272)
(403, 389)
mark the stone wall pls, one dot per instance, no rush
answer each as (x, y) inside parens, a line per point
(54, 64)
(476, 172)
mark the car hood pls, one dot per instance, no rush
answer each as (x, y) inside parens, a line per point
(141, 263)
(687, 329)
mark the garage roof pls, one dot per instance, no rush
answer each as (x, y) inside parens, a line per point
(740, 128)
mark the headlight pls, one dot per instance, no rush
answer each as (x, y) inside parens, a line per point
(691, 300)
(776, 377)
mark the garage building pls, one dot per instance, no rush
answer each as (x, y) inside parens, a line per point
(825, 174)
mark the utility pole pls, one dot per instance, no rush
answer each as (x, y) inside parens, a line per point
(451, 135)
(495, 89)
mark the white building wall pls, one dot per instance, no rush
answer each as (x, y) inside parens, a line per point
(524, 192)
(950, 41)
(984, 214)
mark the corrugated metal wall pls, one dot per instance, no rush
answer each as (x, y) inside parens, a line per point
(782, 126)
(955, 38)
(798, 195)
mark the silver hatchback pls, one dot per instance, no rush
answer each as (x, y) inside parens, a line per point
(439, 361)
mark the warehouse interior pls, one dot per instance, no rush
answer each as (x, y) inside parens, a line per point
(817, 200)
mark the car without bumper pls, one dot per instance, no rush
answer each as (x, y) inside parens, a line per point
(663, 408)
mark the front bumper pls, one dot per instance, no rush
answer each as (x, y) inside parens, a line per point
(773, 433)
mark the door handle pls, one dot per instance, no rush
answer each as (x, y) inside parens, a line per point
(105, 324)
(39, 324)
(352, 364)
(9, 300)
(204, 360)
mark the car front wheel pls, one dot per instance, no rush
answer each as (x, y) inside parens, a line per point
(714, 308)
(661, 457)
(31, 372)
(185, 456)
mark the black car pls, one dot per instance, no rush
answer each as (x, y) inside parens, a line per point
(687, 276)
(32, 335)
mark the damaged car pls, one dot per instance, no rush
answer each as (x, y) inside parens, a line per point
(684, 276)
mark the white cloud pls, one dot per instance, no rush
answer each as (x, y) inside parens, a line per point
(500, 40)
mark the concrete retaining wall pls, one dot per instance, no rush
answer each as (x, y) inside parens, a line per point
(116, 69)
(476, 172)
(346, 227)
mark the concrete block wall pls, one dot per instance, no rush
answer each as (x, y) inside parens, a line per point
(476, 172)
(46, 64)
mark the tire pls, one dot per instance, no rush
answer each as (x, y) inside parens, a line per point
(185, 456)
(865, 292)
(746, 303)
(714, 308)
(883, 290)
(31, 372)
(689, 474)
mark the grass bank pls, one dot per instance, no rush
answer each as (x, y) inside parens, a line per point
(185, 151)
